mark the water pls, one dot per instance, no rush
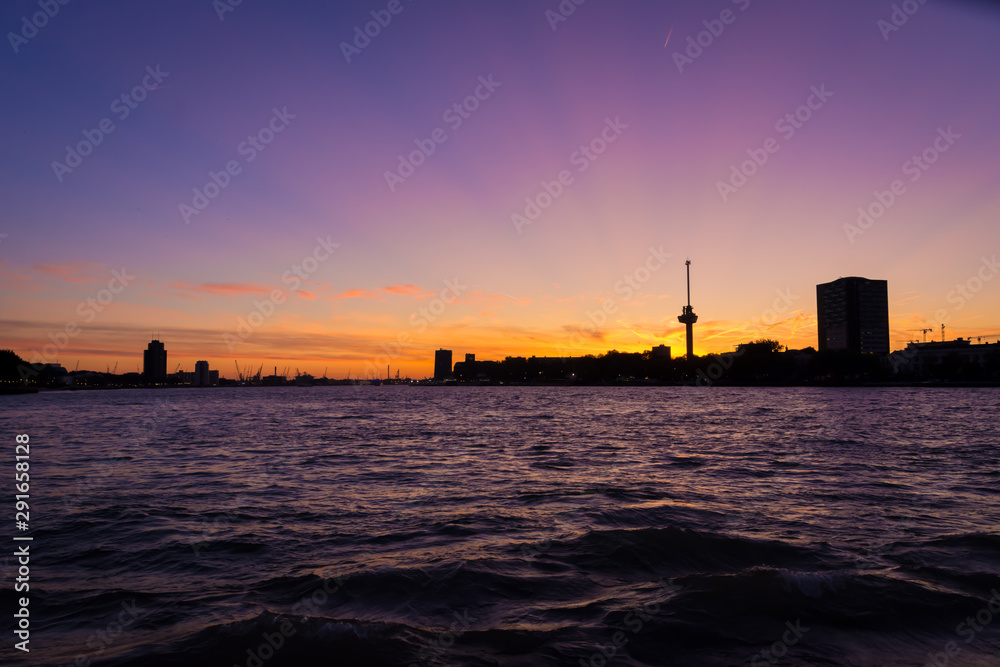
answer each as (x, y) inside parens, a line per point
(510, 526)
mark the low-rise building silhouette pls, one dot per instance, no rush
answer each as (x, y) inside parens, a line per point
(942, 359)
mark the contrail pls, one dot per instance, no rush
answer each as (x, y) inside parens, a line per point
(668, 37)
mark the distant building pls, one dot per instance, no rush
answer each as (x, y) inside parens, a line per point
(853, 314)
(201, 375)
(466, 371)
(941, 359)
(660, 352)
(442, 364)
(154, 362)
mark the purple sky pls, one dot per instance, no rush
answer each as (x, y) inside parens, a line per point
(552, 286)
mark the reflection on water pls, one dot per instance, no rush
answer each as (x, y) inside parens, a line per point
(513, 526)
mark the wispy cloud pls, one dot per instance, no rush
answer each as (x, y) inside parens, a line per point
(482, 297)
(222, 289)
(353, 294)
(415, 291)
(83, 272)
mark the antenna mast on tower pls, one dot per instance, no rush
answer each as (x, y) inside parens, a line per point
(688, 317)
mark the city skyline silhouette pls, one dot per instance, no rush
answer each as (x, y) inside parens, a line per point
(485, 202)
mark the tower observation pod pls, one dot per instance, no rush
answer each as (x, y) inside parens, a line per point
(688, 317)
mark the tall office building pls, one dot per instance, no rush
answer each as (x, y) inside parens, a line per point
(853, 314)
(202, 377)
(442, 364)
(154, 362)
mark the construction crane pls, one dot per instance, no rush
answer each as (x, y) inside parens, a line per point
(942, 332)
(925, 332)
(114, 372)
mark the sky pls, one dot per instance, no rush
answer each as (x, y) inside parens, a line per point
(264, 182)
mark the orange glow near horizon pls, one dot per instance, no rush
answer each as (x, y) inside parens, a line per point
(554, 219)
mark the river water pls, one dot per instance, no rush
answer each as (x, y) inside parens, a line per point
(510, 526)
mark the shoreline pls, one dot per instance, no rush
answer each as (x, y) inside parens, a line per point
(928, 384)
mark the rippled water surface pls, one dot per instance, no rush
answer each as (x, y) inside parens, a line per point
(511, 526)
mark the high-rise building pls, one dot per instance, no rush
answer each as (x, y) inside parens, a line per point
(442, 364)
(201, 375)
(853, 314)
(154, 362)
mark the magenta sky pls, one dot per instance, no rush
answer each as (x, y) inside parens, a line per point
(555, 286)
